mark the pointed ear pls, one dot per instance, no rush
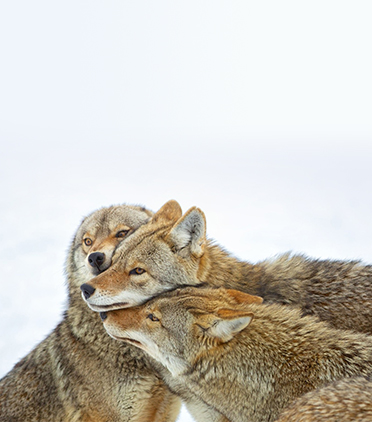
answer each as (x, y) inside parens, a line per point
(243, 298)
(229, 323)
(189, 233)
(170, 211)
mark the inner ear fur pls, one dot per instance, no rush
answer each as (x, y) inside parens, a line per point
(228, 323)
(190, 231)
(170, 211)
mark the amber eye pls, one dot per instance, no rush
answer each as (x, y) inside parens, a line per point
(88, 241)
(137, 271)
(122, 233)
(152, 317)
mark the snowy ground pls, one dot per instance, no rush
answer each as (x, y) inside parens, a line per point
(260, 114)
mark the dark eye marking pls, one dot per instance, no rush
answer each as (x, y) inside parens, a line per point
(88, 241)
(153, 317)
(122, 233)
(137, 271)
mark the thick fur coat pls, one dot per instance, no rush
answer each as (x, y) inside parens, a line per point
(346, 400)
(78, 373)
(244, 359)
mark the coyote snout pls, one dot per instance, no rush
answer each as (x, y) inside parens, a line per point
(96, 259)
(87, 290)
(101, 259)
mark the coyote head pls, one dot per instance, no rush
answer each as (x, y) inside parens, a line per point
(177, 327)
(159, 256)
(98, 236)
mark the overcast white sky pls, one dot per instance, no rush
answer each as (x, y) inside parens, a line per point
(257, 112)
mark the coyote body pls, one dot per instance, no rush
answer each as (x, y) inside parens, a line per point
(172, 250)
(346, 400)
(79, 374)
(245, 359)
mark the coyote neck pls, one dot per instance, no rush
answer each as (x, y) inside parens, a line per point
(84, 323)
(219, 268)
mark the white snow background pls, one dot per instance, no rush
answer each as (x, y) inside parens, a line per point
(259, 113)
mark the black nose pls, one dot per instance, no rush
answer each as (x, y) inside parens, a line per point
(103, 315)
(96, 259)
(87, 290)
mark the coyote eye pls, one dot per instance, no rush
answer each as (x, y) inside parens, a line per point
(122, 233)
(152, 317)
(137, 271)
(88, 241)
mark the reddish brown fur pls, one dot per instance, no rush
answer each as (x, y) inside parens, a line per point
(246, 374)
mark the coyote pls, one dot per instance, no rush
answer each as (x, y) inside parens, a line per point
(79, 374)
(172, 250)
(245, 359)
(346, 400)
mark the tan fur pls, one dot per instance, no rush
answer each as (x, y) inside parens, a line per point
(79, 374)
(174, 251)
(349, 399)
(244, 359)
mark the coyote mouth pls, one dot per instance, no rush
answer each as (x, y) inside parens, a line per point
(129, 340)
(119, 305)
(105, 308)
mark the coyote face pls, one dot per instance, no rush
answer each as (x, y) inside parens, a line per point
(160, 256)
(99, 235)
(176, 327)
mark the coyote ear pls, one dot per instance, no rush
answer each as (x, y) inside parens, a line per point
(229, 323)
(242, 298)
(190, 231)
(170, 211)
